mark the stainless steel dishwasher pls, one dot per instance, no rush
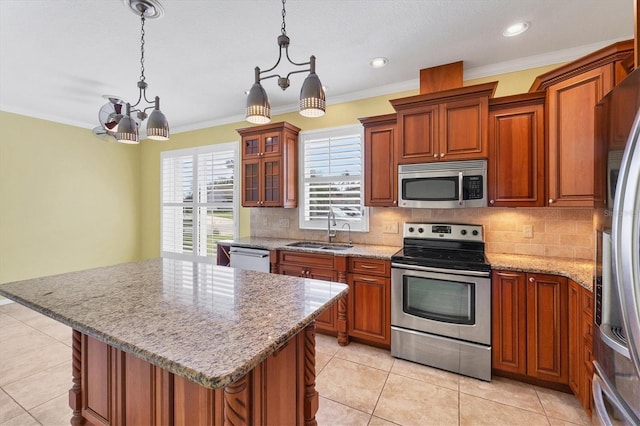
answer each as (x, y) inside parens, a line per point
(250, 258)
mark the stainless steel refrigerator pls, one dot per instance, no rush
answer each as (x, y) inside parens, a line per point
(616, 380)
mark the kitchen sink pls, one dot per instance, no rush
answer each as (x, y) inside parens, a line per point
(320, 246)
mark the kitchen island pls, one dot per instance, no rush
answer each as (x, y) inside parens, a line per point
(168, 341)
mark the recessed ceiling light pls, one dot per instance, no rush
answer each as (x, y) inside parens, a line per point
(378, 62)
(515, 29)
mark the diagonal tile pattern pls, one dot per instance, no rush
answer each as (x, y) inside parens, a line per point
(358, 385)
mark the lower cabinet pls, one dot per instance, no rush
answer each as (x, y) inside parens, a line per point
(369, 301)
(581, 343)
(324, 267)
(530, 330)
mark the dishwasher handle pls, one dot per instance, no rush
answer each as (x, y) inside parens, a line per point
(257, 253)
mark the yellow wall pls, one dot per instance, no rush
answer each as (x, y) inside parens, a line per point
(68, 201)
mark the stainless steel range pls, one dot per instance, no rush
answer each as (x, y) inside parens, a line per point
(441, 298)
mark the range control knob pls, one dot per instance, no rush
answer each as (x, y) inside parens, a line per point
(411, 229)
(420, 230)
(475, 232)
(463, 232)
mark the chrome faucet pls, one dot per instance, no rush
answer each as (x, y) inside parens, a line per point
(349, 227)
(331, 220)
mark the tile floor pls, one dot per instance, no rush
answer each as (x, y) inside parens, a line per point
(358, 385)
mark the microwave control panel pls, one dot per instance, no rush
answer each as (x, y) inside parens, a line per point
(473, 188)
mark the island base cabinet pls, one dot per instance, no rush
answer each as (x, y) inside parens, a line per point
(112, 387)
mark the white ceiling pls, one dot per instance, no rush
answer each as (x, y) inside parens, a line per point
(58, 57)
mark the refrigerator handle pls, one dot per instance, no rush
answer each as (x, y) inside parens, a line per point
(626, 241)
(601, 386)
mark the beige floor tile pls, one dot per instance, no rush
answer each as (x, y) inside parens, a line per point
(326, 344)
(558, 422)
(408, 402)
(377, 421)
(14, 330)
(6, 321)
(367, 355)
(9, 409)
(333, 413)
(505, 391)
(51, 328)
(53, 413)
(321, 361)
(41, 387)
(23, 419)
(351, 384)
(426, 374)
(562, 406)
(478, 411)
(19, 312)
(25, 358)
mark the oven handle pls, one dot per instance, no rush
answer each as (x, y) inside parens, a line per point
(445, 271)
(460, 183)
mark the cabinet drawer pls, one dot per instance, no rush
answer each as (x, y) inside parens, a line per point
(587, 328)
(363, 265)
(588, 358)
(306, 259)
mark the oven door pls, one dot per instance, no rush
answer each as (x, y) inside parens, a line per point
(442, 303)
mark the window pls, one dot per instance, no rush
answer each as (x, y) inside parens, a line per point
(331, 164)
(199, 200)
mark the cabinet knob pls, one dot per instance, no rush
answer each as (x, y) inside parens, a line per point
(441, 154)
(492, 202)
(551, 201)
(531, 279)
(435, 155)
(395, 201)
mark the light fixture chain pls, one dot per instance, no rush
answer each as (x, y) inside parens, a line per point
(284, 13)
(142, 46)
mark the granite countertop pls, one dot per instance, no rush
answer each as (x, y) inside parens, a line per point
(358, 250)
(579, 270)
(207, 323)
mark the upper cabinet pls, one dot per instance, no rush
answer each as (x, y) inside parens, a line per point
(270, 165)
(443, 126)
(516, 151)
(380, 165)
(573, 91)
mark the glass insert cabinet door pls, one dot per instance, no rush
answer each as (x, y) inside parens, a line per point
(261, 145)
(439, 300)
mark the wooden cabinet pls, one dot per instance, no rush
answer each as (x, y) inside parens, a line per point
(530, 325)
(112, 387)
(380, 165)
(516, 151)
(369, 300)
(581, 343)
(269, 165)
(320, 267)
(443, 126)
(572, 93)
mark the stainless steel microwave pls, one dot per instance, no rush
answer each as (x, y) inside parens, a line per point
(443, 185)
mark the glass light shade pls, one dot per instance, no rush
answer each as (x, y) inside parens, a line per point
(312, 97)
(258, 107)
(157, 126)
(127, 131)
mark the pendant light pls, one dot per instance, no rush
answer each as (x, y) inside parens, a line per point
(157, 125)
(312, 96)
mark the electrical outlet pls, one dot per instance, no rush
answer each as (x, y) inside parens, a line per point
(527, 230)
(390, 228)
(283, 223)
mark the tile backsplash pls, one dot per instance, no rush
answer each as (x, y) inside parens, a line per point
(555, 232)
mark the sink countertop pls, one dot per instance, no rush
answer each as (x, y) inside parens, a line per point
(210, 324)
(579, 270)
(358, 250)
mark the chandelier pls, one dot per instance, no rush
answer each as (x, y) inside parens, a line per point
(157, 125)
(312, 97)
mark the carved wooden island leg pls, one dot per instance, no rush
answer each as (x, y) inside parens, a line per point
(75, 393)
(343, 337)
(237, 403)
(310, 393)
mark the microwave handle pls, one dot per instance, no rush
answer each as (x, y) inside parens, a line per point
(460, 192)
